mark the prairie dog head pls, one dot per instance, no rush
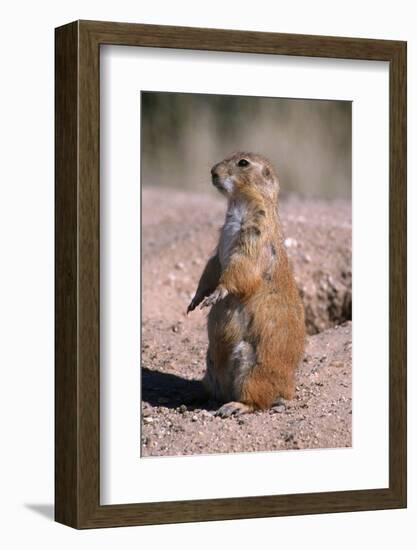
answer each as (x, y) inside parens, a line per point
(245, 174)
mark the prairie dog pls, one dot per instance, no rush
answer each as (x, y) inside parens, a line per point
(256, 322)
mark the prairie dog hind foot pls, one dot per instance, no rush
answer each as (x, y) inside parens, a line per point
(233, 408)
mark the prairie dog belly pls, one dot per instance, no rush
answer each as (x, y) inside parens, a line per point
(230, 357)
(235, 216)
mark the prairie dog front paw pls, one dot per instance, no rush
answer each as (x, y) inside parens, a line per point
(219, 294)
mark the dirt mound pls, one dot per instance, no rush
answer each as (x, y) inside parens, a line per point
(319, 243)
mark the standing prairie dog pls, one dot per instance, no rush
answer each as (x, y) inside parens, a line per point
(256, 322)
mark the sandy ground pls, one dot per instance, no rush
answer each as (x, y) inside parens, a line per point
(179, 233)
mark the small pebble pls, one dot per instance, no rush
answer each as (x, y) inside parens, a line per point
(289, 242)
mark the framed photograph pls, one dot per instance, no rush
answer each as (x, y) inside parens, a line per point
(230, 274)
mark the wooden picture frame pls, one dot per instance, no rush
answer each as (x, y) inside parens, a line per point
(77, 375)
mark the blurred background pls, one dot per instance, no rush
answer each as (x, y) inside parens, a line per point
(308, 141)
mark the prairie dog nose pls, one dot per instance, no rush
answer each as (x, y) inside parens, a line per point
(214, 173)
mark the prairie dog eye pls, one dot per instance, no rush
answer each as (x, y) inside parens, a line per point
(243, 162)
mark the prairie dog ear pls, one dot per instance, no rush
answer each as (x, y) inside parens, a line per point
(266, 172)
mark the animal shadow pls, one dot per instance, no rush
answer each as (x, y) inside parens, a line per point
(163, 389)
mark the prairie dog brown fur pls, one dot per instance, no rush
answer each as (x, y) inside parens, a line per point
(256, 322)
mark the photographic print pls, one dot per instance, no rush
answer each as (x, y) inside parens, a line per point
(246, 274)
(204, 290)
